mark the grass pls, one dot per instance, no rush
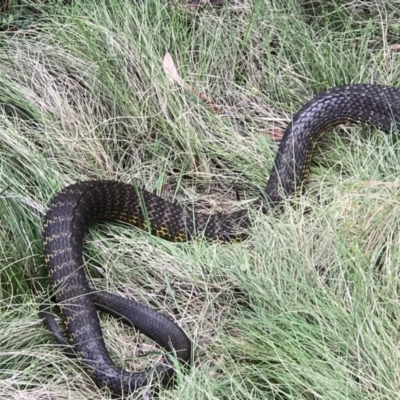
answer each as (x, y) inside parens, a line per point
(307, 307)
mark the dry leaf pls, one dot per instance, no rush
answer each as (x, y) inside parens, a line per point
(173, 76)
(170, 70)
(395, 46)
(381, 183)
(274, 133)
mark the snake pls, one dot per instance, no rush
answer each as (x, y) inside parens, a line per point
(77, 206)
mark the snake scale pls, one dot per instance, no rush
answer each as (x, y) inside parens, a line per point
(77, 206)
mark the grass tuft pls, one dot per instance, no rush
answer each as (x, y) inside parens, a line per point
(307, 307)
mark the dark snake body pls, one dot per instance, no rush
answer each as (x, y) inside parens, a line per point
(77, 206)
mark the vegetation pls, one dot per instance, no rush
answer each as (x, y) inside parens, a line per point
(308, 306)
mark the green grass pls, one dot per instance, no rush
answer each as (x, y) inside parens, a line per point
(307, 307)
